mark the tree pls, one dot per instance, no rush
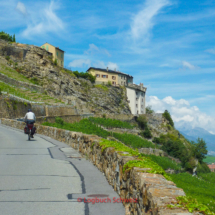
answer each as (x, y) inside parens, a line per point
(149, 110)
(14, 38)
(167, 115)
(200, 149)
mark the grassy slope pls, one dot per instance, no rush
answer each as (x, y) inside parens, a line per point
(209, 159)
(202, 190)
(29, 95)
(12, 73)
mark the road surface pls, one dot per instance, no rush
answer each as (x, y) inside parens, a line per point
(45, 176)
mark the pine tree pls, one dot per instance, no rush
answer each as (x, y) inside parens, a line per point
(14, 38)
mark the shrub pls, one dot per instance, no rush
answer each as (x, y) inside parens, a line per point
(0, 91)
(149, 110)
(59, 120)
(34, 81)
(85, 75)
(7, 57)
(147, 133)
(55, 62)
(142, 121)
(109, 83)
(168, 117)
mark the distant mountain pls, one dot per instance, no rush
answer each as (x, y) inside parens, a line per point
(193, 134)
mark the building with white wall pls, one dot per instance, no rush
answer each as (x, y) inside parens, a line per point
(136, 98)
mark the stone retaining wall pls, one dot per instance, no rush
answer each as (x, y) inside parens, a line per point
(21, 84)
(66, 118)
(152, 191)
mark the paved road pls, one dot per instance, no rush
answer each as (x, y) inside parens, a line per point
(45, 176)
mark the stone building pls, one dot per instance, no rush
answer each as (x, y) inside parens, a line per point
(105, 76)
(57, 53)
(136, 95)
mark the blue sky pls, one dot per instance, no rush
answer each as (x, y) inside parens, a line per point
(168, 45)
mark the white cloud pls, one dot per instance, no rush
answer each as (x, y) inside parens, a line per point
(183, 114)
(113, 66)
(93, 49)
(143, 22)
(80, 63)
(21, 8)
(44, 21)
(211, 51)
(189, 65)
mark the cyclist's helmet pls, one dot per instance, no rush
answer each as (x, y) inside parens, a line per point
(29, 110)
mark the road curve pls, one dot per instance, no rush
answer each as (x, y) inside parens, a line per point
(45, 176)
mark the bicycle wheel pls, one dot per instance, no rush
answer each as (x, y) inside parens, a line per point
(29, 135)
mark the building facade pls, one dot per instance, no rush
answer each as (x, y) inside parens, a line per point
(136, 95)
(105, 76)
(57, 53)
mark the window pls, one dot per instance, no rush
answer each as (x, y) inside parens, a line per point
(114, 83)
(104, 76)
(114, 77)
(141, 106)
(121, 83)
(61, 55)
(142, 100)
(43, 47)
(47, 47)
(128, 101)
(136, 99)
(137, 105)
(124, 77)
(97, 76)
(136, 93)
(142, 94)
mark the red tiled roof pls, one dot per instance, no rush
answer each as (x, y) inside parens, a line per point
(211, 166)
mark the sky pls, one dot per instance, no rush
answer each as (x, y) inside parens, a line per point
(168, 45)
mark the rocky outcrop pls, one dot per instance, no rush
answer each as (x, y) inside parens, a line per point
(35, 62)
(140, 192)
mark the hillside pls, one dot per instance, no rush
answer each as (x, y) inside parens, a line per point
(31, 64)
(193, 134)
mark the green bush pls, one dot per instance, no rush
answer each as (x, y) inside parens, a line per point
(34, 81)
(168, 117)
(7, 57)
(203, 168)
(59, 121)
(142, 121)
(147, 133)
(55, 62)
(109, 83)
(149, 110)
(85, 75)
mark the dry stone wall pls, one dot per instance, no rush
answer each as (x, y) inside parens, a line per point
(148, 193)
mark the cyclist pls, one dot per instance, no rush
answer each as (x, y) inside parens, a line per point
(30, 118)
